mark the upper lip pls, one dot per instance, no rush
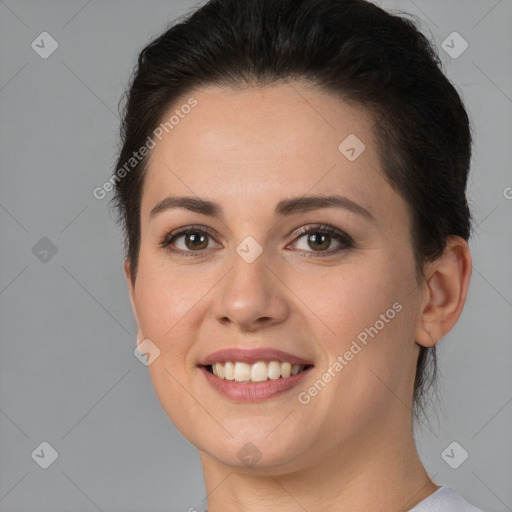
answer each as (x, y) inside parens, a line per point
(252, 356)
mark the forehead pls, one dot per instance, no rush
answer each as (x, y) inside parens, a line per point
(256, 145)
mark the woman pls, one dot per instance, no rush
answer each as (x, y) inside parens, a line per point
(291, 184)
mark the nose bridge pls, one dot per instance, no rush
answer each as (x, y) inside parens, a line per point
(251, 291)
(247, 280)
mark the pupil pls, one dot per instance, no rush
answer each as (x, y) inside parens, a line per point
(321, 239)
(196, 239)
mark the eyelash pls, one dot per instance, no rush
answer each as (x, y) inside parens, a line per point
(323, 229)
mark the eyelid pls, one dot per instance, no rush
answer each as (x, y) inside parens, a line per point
(187, 229)
(324, 228)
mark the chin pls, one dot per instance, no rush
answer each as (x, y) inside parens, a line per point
(257, 447)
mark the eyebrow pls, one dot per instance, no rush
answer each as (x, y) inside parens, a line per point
(283, 208)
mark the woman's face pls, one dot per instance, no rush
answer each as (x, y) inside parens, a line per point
(259, 273)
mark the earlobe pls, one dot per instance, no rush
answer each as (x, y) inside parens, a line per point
(127, 275)
(446, 289)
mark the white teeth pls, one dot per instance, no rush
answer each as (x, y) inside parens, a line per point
(219, 370)
(229, 371)
(274, 370)
(257, 372)
(242, 372)
(286, 370)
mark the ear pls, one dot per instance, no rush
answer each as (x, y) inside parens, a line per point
(446, 288)
(131, 291)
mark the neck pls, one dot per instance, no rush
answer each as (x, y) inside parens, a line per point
(378, 473)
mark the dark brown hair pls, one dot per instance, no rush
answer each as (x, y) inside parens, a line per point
(350, 48)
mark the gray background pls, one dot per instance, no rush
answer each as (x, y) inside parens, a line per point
(68, 375)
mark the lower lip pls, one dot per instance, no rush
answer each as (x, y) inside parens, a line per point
(253, 391)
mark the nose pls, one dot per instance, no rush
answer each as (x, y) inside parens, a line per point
(252, 295)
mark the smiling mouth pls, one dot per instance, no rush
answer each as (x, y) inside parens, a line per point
(260, 371)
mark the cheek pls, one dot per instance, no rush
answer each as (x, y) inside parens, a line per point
(368, 313)
(350, 299)
(164, 303)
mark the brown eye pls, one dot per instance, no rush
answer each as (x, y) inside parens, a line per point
(188, 242)
(196, 241)
(319, 239)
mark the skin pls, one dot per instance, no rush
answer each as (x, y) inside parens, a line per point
(351, 447)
